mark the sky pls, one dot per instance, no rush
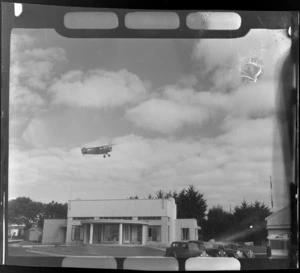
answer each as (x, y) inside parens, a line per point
(179, 112)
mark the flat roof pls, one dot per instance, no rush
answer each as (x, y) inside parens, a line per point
(119, 199)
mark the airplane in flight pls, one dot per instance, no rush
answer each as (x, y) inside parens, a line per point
(101, 150)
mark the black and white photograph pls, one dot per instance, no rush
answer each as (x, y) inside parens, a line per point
(160, 140)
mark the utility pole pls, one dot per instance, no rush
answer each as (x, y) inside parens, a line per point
(271, 192)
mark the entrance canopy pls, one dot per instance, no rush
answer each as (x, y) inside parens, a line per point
(115, 231)
(114, 221)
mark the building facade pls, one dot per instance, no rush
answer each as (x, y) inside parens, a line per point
(278, 226)
(33, 234)
(54, 231)
(15, 231)
(126, 221)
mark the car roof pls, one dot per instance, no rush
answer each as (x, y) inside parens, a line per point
(220, 243)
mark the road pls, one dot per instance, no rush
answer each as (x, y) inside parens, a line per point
(87, 250)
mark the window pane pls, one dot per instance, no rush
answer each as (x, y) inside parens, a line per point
(111, 233)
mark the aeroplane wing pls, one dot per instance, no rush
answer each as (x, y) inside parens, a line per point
(100, 147)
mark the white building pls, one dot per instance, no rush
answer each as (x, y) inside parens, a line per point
(278, 226)
(125, 221)
(15, 231)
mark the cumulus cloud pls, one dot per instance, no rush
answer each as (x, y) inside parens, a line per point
(187, 104)
(254, 100)
(248, 132)
(37, 66)
(228, 96)
(25, 101)
(31, 72)
(97, 89)
(234, 163)
(37, 133)
(222, 60)
(165, 116)
(140, 165)
(177, 106)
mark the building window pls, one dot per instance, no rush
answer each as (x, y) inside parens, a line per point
(185, 234)
(111, 233)
(77, 233)
(83, 218)
(100, 233)
(139, 234)
(278, 244)
(154, 233)
(149, 218)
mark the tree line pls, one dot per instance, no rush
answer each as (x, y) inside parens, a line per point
(245, 223)
(23, 210)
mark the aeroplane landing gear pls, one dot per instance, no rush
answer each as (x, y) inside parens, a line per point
(108, 155)
(104, 156)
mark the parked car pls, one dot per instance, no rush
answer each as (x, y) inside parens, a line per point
(230, 249)
(209, 249)
(248, 253)
(184, 249)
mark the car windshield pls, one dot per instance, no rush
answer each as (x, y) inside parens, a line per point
(208, 245)
(193, 246)
(121, 143)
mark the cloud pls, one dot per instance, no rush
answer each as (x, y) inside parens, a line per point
(20, 41)
(254, 100)
(248, 132)
(186, 103)
(37, 133)
(165, 116)
(97, 89)
(24, 101)
(177, 107)
(228, 165)
(222, 60)
(140, 165)
(38, 66)
(31, 72)
(35, 67)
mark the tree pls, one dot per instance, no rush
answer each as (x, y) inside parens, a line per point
(174, 195)
(248, 214)
(218, 224)
(24, 210)
(191, 204)
(250, 221)
(54, 210)
(134, 197)
(160, 194)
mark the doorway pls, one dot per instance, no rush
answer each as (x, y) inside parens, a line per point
(127, 234)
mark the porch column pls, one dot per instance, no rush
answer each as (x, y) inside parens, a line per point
(85, 236)
(91, 232)
(120, 233)
(144, 234)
